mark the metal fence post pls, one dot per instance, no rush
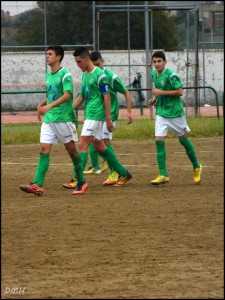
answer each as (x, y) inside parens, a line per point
(139, 91)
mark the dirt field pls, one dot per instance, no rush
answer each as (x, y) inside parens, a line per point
(31, 116)
(135, 242)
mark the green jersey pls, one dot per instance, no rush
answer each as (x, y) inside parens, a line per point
(94, 85)
(168, 106)
(56, 84)
(116, 85)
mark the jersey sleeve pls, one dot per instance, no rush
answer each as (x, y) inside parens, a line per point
(118, 85)
(82, 86)
(67, 82)
(175, 81)
(103, 83)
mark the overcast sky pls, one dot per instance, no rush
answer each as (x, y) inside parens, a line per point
(17, 7)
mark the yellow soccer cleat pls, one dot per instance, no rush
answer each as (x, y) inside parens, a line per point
(197, 174)
(160, 179)
(112, 179)
(92, 171)
(104, 166)
(71, 184)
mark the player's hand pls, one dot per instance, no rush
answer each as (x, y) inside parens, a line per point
(152, 101)
(109, 125)
(38, 116)
(156, 92)
(129, 118)
(43, 109)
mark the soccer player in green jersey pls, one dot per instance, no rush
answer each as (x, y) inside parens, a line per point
(58, 122)
(116, 86)
(170, 115)
(94, 92)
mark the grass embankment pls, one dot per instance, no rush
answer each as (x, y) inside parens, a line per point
(140, 129)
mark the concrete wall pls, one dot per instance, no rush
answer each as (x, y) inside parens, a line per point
(26, 71)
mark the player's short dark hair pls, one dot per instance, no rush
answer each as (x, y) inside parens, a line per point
(58, 50)
(95, 55)
(159, 54)
(82, 52)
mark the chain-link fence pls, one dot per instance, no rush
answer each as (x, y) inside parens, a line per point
(23, 66)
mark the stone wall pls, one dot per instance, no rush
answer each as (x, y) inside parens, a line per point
(26, 71)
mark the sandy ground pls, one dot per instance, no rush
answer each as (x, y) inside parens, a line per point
(135, 242)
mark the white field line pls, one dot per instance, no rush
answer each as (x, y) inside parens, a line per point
(70, 164)
(61, 164)
(126, 154)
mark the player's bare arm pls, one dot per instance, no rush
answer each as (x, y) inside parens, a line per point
(107, 103)
(128, 101)
(43, 109)
(158, 92)
(77, 102)
(40, 105)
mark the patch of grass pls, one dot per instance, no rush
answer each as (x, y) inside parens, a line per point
(138, 129)
(29, 133)
(206, 126)
(144, 128)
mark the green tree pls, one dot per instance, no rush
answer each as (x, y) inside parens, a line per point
(5, 19)
(114, 27)
(71, 23)
(184, 21)
(32, 30)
